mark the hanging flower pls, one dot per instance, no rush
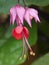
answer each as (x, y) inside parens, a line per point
(17, 13)
(20, 13)
(18, 32)
(21, 32)
(30, 14)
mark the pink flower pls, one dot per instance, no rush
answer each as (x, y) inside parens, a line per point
(30, 14)
(20, 13)
(17, 13)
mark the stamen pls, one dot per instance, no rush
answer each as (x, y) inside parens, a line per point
(28, 44)
(25, 56)
(23, 46)
(31, 52)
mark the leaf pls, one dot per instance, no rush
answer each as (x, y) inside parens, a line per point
(5, 35)
(46, 9)
(2, 41)
(44, 26)
(8, 32)
(11, 49)
(5, 5)
(43, 60)
(1, 31)
(10, 52)
(33, 33)
(38, 2)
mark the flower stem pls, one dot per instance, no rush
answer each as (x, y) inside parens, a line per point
(24, 44)
(18, 1)
(24, 48)
(25, 4)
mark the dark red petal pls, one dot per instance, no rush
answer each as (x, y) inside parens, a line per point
(17, 32)
(26, 32)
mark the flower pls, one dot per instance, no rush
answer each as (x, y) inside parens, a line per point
(21, 32)
(30, 14)
(20, 13)
(18, 32)
(17, 13)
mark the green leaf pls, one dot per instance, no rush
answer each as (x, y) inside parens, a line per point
(38, 2)
(11, 49)
(44, 26)
(5, 5)
(5, 35)
(46, 9)
(43, 60)
(1, 31)
(8, 32)
(10, 52)
(33, 33)
(2, 41)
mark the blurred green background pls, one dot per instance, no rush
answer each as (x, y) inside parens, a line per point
(11, 49)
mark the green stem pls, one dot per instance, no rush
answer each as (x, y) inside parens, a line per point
(18, 1)
(25, 4)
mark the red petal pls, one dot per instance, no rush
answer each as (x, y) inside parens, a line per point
(17, 32)
(19, 29)
(26, 32)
